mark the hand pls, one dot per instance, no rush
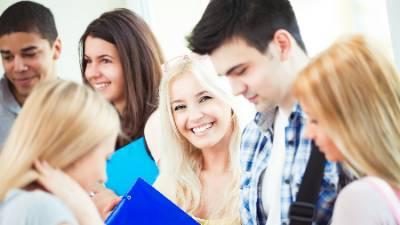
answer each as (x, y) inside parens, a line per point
(105, 201)
(69, 191)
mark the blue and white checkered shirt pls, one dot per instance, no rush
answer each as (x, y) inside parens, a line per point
(256, 146)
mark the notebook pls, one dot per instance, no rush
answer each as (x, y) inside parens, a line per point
(144, 205)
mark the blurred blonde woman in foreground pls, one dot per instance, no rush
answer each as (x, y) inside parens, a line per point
(351, 92)
(199, 166)
(65, 126)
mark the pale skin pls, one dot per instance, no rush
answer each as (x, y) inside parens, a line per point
(205, 121)
(263, 78)
(213, 177)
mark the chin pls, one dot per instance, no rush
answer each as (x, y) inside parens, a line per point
(262, 107)
(203, 145)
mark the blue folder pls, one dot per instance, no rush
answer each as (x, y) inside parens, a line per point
(144, 205)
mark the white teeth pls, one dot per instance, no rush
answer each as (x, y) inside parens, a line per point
(101, 85)
(201, 129)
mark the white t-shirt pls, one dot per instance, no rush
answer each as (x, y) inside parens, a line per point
(271, 186)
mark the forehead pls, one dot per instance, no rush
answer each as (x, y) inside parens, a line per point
(232, 53)
(98, 46)
(185, 86)
(16, 41)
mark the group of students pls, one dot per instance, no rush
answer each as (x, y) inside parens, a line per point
(69, 150)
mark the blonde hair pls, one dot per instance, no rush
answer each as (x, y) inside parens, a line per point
(354, 91)
(181, 162)
(60, 122)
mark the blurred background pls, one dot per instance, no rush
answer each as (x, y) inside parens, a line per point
(321, 22)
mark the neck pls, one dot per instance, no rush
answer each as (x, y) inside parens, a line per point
(216, 158)
(297, 61)
(20, 98)
(120, 106)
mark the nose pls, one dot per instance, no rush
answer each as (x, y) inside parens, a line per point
(238, 87)
(91, 71)
(19, 65)
(195, 114)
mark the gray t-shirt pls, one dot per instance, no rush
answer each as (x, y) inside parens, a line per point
(359, 203)
(9, 109)
(34, 208)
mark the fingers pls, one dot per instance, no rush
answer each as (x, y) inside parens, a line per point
(44, 170)
(107, 210)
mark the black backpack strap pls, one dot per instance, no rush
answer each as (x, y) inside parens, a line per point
(302, 211)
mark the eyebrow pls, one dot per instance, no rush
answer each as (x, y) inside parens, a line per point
(100, 56)
(233, 68)
(24, 50)
(28, 49)
(197, 95)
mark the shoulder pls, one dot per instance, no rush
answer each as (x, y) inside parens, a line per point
(360, 189)
(40, 201)
(361, 201)
(39, 206)
(3, 87)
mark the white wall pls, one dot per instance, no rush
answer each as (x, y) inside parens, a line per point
(394, 18)
(71, 17)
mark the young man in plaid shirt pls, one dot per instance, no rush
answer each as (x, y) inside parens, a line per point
(258, 46)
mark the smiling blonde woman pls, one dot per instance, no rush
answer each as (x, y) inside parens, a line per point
(199, 165)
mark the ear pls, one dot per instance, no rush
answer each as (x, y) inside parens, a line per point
(57, 48)
(282, 39)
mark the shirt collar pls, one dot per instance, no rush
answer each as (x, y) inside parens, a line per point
(265, 120)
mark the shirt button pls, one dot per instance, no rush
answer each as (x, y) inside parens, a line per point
(291, 142)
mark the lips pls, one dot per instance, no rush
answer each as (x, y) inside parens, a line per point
(252, 99)
(24, 81)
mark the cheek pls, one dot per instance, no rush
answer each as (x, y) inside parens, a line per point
(180, 119)
(116, 76)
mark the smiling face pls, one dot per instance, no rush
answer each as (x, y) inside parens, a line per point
(259, 77)
(104, 70)
(27, 59)
(199, 117)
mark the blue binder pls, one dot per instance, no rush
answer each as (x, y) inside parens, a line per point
(144, 205)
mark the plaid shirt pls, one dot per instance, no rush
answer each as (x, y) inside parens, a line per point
(256, 144)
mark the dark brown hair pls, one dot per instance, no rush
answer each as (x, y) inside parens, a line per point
(30, 17)
(141, 59)
(255, 21)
